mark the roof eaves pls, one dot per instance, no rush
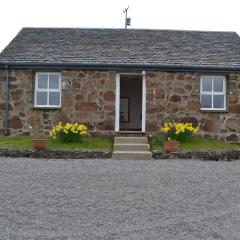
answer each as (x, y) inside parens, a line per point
(175, 67)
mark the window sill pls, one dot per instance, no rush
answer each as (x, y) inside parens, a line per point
(214, 111)
(46, 108)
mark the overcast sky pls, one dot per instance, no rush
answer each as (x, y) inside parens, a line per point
(218, 15)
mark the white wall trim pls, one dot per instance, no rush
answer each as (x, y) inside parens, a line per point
(117, 102)
(144, 78)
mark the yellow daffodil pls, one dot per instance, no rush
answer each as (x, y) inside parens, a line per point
(72, 132)
(178, 130)
(83, 133)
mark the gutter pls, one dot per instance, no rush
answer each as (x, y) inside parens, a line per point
(160, 67)
(7, 101)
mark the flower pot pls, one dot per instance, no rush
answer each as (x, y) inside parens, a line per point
(40, 144)
(171, 146)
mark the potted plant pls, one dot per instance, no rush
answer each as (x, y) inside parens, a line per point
(171, 145)
(174, 133)
(39, 140)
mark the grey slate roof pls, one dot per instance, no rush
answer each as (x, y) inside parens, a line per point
(123, 47)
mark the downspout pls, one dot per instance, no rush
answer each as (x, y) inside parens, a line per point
(7, 100)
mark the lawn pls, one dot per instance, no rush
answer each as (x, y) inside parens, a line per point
(197, 143)
(106, 144)
(88, 143)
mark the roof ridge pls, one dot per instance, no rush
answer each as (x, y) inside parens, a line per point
(128, 29)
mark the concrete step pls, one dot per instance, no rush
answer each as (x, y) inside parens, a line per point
(131, 147)
(132, 155)
(129, 140)
(130, 133)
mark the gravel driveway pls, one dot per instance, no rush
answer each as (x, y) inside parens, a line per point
(109, 199)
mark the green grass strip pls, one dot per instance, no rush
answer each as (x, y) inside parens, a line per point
(88, 143)
(197, 143)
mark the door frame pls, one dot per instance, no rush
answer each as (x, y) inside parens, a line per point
(117, 99)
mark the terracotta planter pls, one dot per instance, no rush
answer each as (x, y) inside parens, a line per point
(40, 144)
(171, 146)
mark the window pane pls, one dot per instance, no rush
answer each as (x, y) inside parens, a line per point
(218, 101)
(42, 81)
(207, 84)
(54, 81)
(206, 101)
(218, 84)
(54, 98)
(41, 98)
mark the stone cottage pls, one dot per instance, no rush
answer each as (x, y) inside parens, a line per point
(121, 80)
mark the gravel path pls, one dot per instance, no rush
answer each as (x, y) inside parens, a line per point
(109, 199)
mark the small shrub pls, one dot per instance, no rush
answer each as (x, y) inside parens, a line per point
(68, 132)
(178, 131)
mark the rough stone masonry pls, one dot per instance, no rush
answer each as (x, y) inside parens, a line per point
(89, 96)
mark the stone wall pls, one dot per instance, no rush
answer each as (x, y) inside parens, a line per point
(54, 154)
(176, 97)
(87, 96)
(199, 155)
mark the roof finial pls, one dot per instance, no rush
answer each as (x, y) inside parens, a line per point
(127, 20)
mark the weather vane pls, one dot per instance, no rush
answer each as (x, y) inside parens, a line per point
(127, 20)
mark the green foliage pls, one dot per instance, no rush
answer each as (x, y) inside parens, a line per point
(157, 140)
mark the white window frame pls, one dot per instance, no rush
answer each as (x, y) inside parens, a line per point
(212, 93)
(47, 90)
